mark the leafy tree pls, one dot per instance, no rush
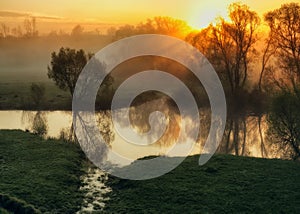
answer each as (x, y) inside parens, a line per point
(66, 66)
(77, 31)
(284, 121)
(125, 31)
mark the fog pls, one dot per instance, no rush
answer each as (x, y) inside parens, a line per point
(26, 59)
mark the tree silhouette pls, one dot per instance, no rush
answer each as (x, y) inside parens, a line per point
(157, 25)
(77, 31)
(4, 30)
(230, 47)
(66, 66)
(284, 24)
(284, 114)
(30, 27)
(235, 41)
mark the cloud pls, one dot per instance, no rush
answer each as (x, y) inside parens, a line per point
(47, 17)
(17, 14)
(13, 14)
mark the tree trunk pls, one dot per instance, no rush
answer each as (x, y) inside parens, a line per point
(228, 137)
(264, 152)
(244, 136)
(236, 136)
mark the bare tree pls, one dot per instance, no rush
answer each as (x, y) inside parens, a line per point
(235, 41)
(30, 27)
(284, 26)
(268, 51)
(4, 30)
(284, 117)
(230, 47)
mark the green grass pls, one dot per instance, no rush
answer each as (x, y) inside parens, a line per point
(12, 204)
(4, 211)
(16, 96)
(39, 174)
(226, 184)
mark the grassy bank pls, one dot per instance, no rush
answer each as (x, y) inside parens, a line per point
(226, 184)
(37, 174)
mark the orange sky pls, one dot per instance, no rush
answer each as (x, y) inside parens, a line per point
(64, 14)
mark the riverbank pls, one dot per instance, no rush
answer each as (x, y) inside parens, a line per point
(38, 174)
(226, 184)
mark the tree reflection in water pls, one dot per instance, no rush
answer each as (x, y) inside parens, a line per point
(245, 136)
(38, 122)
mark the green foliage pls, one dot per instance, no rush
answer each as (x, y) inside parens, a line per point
(284, 121)
(66, 66)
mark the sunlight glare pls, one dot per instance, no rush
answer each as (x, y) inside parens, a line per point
(204, 13)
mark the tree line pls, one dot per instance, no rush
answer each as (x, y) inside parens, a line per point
(28, 30)
(237, 50)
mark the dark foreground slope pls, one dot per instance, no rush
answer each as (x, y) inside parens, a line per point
(226, 184)
(39, 175)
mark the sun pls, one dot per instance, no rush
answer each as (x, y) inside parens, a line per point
(202, 20)
(201, 15)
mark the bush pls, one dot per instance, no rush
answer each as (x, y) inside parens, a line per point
(284, 122)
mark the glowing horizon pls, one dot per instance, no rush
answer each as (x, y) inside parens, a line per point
(55, 14)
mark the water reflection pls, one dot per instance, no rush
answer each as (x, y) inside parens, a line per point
(56, 121)
(39, 122)
(247, 137)
(253, 140)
